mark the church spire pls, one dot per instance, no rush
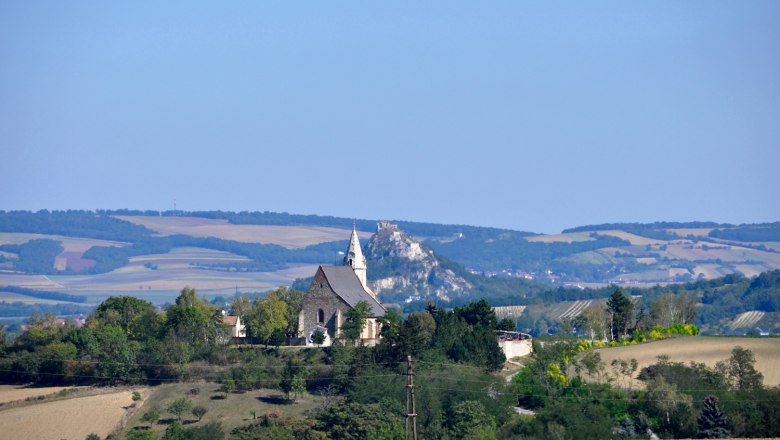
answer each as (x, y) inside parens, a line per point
(355, 258)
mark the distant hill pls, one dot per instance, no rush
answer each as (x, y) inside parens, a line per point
(66, 261)
(156, 251)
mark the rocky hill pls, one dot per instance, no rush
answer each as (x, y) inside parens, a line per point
(402, 265)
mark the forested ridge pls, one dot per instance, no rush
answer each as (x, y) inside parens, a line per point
(481, 249)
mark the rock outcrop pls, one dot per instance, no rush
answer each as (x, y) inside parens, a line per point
(401, 264)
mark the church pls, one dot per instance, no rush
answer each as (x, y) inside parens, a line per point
(333, 292)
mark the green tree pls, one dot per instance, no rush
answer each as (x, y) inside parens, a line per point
(712, 421)
(209, 431)
(115, 355)
(294, 301)
(195, 321)
(56, 361)
(228, 386)
(356, 320)
(151, 417)
(126, 312)
(180, 406)
(140, 435)
(357, 421)
(417, 333)
(175, 431)
(478, 313)
(3, 339)
(507, 324)
(240, 306)
(298, 386)
(671, 309)
(293, 381)
(470, 420)
(267, 315)
(278, 337)
(673, 409)
(595, 321)
(92, 436)
(621, 310)
(740, 370)
(391, 324)
(318, 337)
(199, 411)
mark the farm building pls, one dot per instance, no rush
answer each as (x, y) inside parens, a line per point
(333, 292)
(514, 344)
(237, 329)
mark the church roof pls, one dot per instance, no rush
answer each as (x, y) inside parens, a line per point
(345, 283)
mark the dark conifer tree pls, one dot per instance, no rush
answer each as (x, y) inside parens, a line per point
(712, 421)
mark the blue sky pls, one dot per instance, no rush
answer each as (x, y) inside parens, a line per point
(527, 115)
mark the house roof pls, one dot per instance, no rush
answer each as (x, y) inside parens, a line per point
(230, 320)
(345, 283)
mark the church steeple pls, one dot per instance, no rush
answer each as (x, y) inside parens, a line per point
(355, 258)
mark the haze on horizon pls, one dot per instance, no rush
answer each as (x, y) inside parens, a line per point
(524, 115)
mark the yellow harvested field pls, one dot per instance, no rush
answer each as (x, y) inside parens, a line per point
(189, 255)
(70, 418)
(646, 260)
(709, 271)
(287, 236)
(632, 238)
(772, 244)
(696, 232)
(750, 270)
(726, 253)
(10, 393)
(562, 238)
(673, 272)
(41, 282)
(174, 272)
(706, 349)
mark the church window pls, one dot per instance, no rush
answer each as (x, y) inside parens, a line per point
(321, 286)
(320, 316)
(350, 261)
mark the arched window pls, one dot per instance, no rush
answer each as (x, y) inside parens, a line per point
(350, 262)
(320, 316)
(370, 327)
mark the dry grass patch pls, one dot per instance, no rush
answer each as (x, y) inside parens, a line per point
(631, 238)
(696, 232)
(703, 349)
(561, 238)
(235, 410)
(72, 418)
(11, 393)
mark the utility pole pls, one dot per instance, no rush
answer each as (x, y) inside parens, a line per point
(410, 410)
